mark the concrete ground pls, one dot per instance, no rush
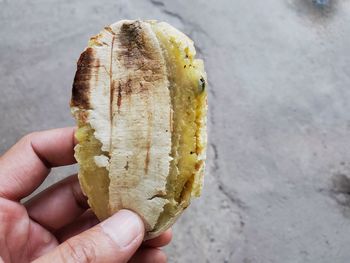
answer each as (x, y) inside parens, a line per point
(278, 177)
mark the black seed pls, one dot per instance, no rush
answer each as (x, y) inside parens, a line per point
(201, 84)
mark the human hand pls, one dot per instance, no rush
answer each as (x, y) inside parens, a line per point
(56, 225)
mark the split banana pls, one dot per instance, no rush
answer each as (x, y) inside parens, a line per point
(140, 101)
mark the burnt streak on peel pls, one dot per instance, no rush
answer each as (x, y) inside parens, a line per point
(86, 65)
(123, 89)
(112, 89)
(149, 134)
(147, 157)
(119, 100)
(111, 100)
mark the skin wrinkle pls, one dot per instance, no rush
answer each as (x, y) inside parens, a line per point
(79, 197)
(82, 223)
(45, 162)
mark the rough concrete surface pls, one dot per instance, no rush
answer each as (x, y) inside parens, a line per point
(278, 177)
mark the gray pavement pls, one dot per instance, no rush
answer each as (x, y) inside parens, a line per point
(278, 178)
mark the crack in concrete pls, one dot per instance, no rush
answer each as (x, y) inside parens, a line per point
(215, 167)
(157, 3)
(229, 196)
(194, 27)
(211, 118)
(173, 14)
(213, 98)
(211, 91)
(232, 252)
(221, 186)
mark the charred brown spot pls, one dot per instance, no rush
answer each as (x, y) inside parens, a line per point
(128, 87)
(80, 95)
(126, 167)
(132, 36)
(198, 165)
(137, 51)
(86, 65)
(88, 59)
(133, 45)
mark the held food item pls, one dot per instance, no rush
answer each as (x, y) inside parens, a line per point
(139, 98)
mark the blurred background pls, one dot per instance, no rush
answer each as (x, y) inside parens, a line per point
(278, 175)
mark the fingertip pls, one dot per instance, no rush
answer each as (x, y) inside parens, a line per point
(168, 235)
(159, 256)
(149, 255)
(124, 228)
(75, 140)
(160, 241)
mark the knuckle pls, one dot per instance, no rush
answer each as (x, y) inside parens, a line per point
(79, 251)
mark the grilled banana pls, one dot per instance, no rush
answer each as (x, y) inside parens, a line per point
(139, 98)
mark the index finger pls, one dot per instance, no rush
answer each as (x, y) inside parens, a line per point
(25, 166)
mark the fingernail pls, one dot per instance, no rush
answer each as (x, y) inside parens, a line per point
(123, 227)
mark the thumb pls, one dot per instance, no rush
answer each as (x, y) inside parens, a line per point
(114, 240)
